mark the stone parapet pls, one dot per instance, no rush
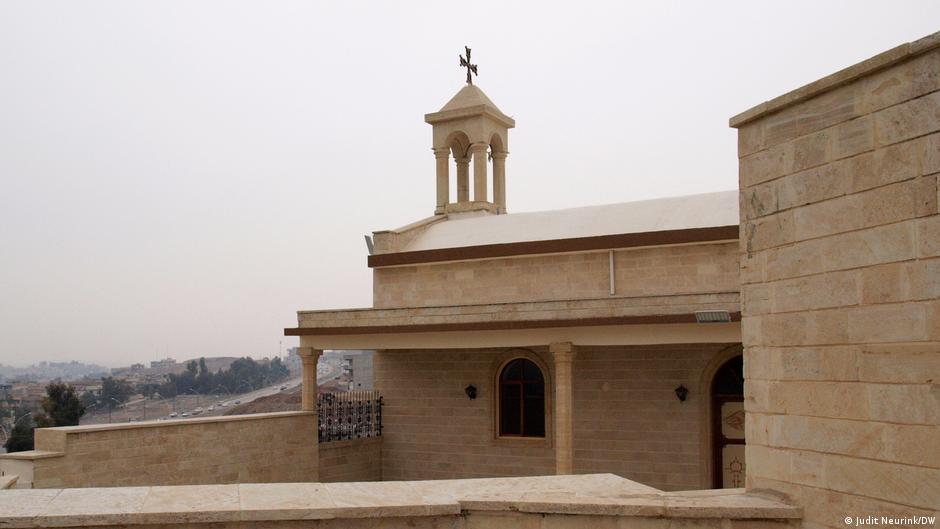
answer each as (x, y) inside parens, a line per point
(352, 460)
(596, 500)
(263, 447)
(868, 67)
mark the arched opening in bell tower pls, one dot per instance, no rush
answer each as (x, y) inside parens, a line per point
(458, 143)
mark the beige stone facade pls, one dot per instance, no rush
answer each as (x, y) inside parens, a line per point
(639, 272)
(602, 300)
(626, 417)
(841, 289)
(352, 460)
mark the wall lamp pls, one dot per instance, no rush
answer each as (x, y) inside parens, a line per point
(682, 392)
(471, 391)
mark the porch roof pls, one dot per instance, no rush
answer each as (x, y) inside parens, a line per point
(515, 323)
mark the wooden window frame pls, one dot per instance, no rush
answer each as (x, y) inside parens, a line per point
(499, 363)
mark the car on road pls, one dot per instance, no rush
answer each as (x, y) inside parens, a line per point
(185, 414)
(174, 414)
(211, 408)
(283, 387)
(238, 402)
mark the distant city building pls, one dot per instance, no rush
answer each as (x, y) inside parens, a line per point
(166, 363)
(293, 361)
(357, 366)
(51, 370)
(28, 393)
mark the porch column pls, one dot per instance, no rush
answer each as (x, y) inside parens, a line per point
(309, 356)
(563, 355)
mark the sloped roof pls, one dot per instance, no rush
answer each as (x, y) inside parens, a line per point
(468, 96)
(665, 214)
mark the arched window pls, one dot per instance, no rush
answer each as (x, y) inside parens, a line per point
(521, 400)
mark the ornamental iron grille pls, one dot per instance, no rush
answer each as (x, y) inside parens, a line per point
(349, 415)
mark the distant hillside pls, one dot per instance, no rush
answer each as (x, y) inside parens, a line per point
(285, 401)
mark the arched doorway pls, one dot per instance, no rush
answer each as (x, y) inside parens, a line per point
(727, 396)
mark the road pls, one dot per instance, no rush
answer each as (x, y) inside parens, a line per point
(157, 409)
(150, 409)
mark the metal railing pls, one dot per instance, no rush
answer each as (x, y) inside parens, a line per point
(349, 415)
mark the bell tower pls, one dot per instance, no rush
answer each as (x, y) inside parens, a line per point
(471, 130)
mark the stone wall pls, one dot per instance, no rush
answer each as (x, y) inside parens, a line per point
(260, 448)
(431, 430)
(627, 419)
(654, 271)
(841, 289)
(353, 460)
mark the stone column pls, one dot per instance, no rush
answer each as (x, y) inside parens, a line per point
(463, 179)
(563, 354)
(478, 150)
(442, 157)
(499, 180)
(309, 356)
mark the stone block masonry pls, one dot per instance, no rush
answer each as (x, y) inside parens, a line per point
(259, 448)
(352, 460)
(841, 289)
(626, 417)
(638, 272)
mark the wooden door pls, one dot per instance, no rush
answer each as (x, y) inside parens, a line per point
(728, 425)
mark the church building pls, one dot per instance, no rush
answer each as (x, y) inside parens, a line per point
(591, 339)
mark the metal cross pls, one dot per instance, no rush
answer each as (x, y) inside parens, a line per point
(465, 63)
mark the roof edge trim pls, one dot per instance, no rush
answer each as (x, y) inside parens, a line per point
(577, 244)
(842, 77)
(500, 325)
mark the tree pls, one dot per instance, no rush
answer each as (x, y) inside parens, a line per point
(244, 374)
(60, 407)
(115, 388)
(21, 438)
(204, 380)
(278, 370)
(88, 399)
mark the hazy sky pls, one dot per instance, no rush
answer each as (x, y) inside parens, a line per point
(180, 177)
